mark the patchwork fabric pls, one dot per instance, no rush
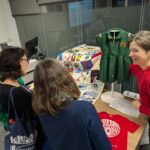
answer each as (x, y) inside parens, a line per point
(87, 65)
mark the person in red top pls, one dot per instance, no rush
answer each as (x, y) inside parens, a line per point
(139, 46)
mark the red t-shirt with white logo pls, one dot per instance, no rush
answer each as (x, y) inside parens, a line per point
(116, 128)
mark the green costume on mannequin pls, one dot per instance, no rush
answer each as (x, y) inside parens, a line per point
(3, 115)
(115, 59)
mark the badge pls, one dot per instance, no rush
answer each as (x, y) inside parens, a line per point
(123, 44)
(78, 57)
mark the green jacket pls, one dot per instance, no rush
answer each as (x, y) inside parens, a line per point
(4, 115)
(20, 81)
(115, 59)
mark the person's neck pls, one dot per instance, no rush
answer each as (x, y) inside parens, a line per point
(12, 82)
(145, 65)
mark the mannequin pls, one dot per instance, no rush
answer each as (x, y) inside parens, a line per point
(115, 61)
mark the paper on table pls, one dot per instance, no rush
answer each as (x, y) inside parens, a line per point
(125, 107)
(92, 91)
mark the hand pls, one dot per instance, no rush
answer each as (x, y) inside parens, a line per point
(31, 86)
(136, 104)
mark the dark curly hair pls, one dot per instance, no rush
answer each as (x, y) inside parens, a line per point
(10, 62)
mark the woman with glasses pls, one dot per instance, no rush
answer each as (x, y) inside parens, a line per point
(13, 65)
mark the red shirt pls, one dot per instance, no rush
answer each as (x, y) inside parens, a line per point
(143, 79)
(116, 128)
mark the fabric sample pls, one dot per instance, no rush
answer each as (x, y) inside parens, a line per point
(117, 128)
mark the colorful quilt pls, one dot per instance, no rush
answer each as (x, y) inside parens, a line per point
(80, 58)
(80, 61)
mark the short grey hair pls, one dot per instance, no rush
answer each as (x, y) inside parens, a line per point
(142, 38)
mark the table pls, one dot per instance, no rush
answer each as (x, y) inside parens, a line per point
(133, 139)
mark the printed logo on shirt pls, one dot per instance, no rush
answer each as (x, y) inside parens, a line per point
(111, 128)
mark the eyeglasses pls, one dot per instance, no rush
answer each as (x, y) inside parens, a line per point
(27, 60)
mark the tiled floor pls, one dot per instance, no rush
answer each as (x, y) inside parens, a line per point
(2, 133)
(145, 136)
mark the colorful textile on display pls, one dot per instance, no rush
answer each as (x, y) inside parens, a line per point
(115, 59)
(80, 61)
(117, 128)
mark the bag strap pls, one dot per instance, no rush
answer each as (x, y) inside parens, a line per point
(24, 87)
(11, 101)
(9, 104)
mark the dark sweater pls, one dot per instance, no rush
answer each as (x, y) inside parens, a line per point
(22, 100)
(76, 128)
